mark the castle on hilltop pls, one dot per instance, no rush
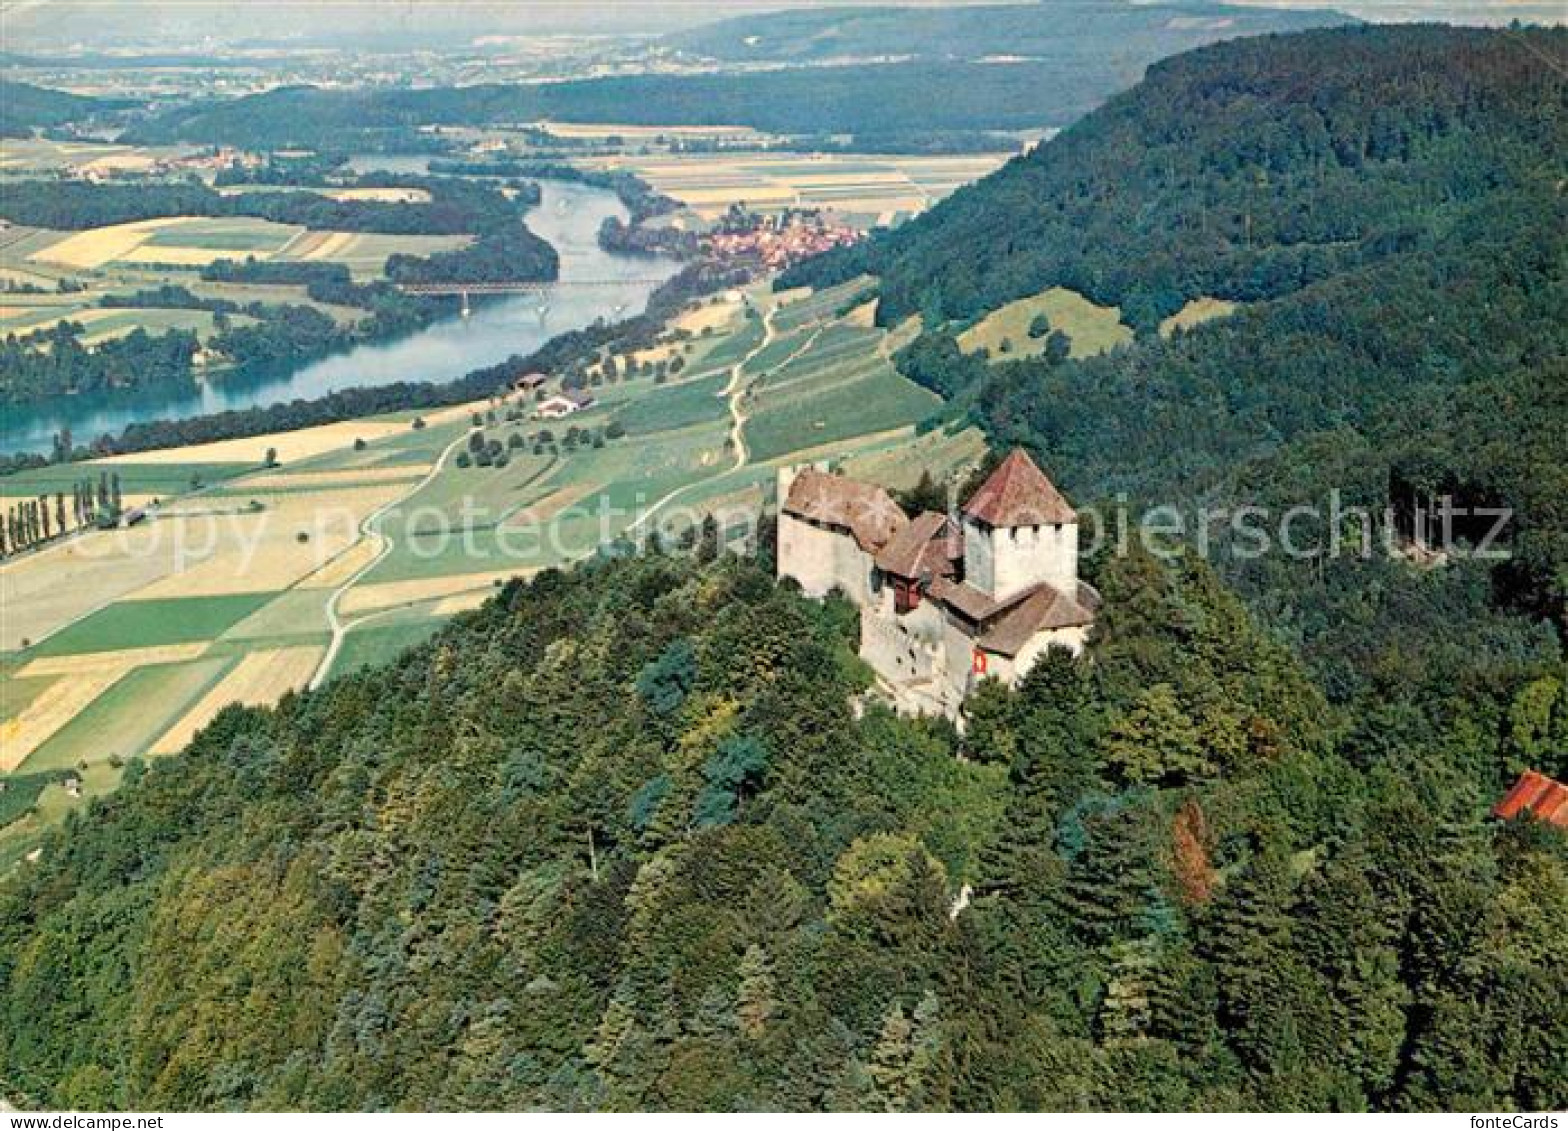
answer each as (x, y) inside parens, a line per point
(944, 601)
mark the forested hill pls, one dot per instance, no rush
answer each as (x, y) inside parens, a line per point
(25, 108)
(619, 840)
(1244, 170)
(1389, 204)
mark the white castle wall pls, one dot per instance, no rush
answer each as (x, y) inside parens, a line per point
(1006, 560)
(822, 559)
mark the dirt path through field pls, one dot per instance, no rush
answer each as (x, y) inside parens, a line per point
(340, 628)
(734, 392)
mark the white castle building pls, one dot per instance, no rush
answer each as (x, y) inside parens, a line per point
(944, 602)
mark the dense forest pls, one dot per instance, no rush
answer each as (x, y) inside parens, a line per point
(637, 836)
(1217, 176)
(619, 840)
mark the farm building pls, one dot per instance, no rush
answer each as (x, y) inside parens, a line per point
(945, 600)
(564, 403)
(530, 382)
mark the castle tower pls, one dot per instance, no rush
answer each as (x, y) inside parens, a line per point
(1019, 532)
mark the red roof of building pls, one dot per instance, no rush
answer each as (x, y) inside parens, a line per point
(1539, 795)
(927, 547)
(866, 511)
(1019, 494)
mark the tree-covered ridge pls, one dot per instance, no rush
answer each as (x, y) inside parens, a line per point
(619, 840)
(1245, 170)
(25, 108)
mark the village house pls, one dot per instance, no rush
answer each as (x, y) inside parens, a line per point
(530, 382)
(564, 403)
(945, 601)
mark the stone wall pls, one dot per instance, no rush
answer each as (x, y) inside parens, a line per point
(823, 558)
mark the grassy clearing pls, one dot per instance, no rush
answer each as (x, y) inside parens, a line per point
(373, 646)
(17, 693)
(125, 719)
(162, 480)
(297, 616)
(1195, 313)
(838, 388)
(142, 623)
(1093, 329)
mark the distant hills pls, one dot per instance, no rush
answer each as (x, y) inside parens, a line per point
(994, 68)
(1098, 36)
(25, 107)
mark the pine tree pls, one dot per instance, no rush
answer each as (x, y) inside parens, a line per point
(1156, 743)
(757, 999)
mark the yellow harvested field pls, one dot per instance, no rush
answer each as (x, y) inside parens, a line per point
(315, 480)
(344, 566)
(1195, 313)
(258, 680)
(128, 161)
(44, 591)
(124, 658)
(710, 315)
(55, 706)
(260, 552)
(334, 243)
(299, 444)
(391, 594)
(900, 466)
(548, 507)
(383, 195)
(97, 246)
(614, 129)
(462, 603)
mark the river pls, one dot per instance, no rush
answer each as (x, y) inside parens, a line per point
(568, 216)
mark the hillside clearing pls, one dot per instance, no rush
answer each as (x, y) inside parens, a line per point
(1093, 329)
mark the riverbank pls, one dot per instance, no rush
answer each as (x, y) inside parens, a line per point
(568, 217)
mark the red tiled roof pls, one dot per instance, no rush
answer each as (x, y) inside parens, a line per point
(1018, 494)
(924, 547)
(1006, 626)
(1539, 795)
(1045, 608)
(866, 511)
